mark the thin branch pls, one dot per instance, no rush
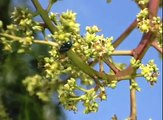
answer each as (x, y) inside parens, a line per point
(143, 46)
(101, 66)
(112, 66)
(76, 60)
(122, 53)
(44, 15)
(117, 53)
(49, 7)
(44, 42)
(155, 45)
(16, 38)
(122, 37)
(133, 109)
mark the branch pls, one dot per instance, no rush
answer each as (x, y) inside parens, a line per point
(143, 46)
(133, 109)
(147, 38)
(153, 7)
(44, 15)
(145, 42)
(111, 65)
(122, 53)
(77, 61)
(139, 54)
(101, 66)
(122, 37)
(16, 38)
(155, 45)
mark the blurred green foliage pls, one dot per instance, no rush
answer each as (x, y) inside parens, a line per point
(15, 101)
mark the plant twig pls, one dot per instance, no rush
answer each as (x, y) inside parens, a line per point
(133, 109)
(44, 15)
(153, 7)
(122, 37)
(111, 65)
(141, 50)
(16, 38)
(145, 42)
(90, 71)
(155, 45)
(101, 66)
(49, 7)
(122, 53)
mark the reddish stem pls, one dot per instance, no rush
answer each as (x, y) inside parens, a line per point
(153, 7)
(139, 53)
(155, 45)
(122, 37)
(133, 111)
(145, 42)
(112, 66)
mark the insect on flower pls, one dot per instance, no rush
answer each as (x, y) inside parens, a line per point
(65, 47)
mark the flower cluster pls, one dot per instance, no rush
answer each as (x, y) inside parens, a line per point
(22, 20)
(113, 84)
(23, 26)
(134, 85)
(142, 2)
(51, 68)
(143, 14)
(51, 65)
(85, 79)
(156, 25)
(95, 46)
(89, 101)
(58, 68)
(69, 98)
(38, 86)
(135, 63)
(67, 28)
(143, 21)
(150, 72)
(91, 47)
(93, 29)
(6, 44)
(146, 24)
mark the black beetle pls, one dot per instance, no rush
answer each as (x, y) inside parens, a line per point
(65, 47)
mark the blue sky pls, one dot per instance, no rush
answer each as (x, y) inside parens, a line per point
(113, 19)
